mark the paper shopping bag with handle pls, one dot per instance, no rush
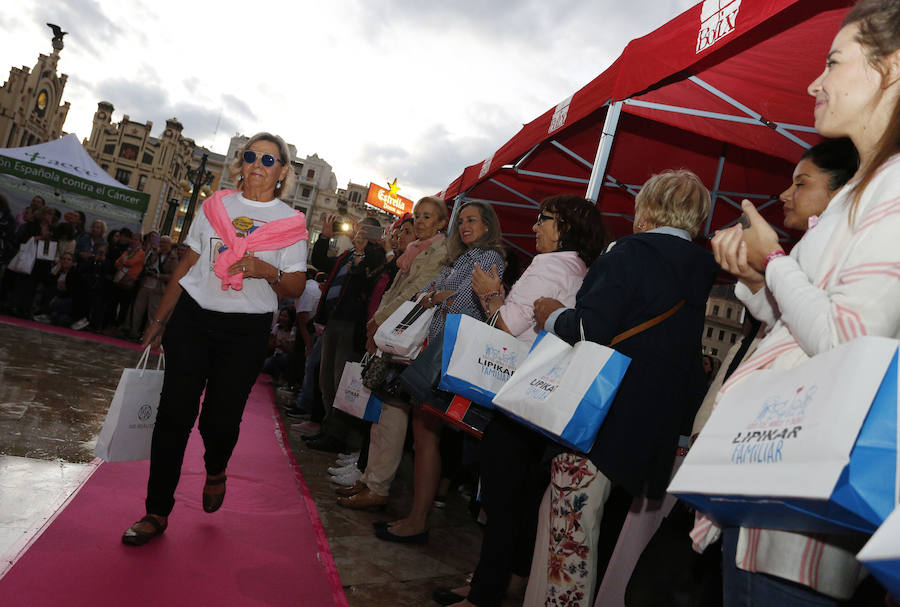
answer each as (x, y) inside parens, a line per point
(477, 359)
(812, 448)
(564, 391)
(352, 396)
(128, 429)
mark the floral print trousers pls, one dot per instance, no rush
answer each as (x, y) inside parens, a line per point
(563, 569)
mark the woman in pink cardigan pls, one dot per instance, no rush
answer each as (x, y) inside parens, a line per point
(569, 236)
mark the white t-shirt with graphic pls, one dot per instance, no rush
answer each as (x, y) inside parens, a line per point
(257, 295)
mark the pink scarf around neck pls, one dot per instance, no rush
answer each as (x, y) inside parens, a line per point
(276, 234)
(404, 262)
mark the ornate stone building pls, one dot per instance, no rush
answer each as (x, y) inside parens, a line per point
(31, 107)
(724, 318)
(155, 165)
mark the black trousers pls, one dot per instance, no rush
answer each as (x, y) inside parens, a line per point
(513, 481)
(217, 351)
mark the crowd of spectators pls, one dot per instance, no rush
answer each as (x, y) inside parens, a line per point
(83, 277)
(555, 519)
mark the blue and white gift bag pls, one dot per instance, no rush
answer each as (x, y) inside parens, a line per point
(354, 398)
(477, 358)
(881, 555)
(564, 391)
(813, 448)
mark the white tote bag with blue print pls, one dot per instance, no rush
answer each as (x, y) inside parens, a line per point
(477, 359)
(812, 448)
(564, 391)
(353, 398)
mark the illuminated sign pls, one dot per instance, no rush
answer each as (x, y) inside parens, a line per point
(388, 200)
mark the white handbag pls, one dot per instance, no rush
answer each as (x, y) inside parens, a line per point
(23, 261)
(128, 429)
(403, 333)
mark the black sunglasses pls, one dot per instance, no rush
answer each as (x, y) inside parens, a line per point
(542, 218)
(267, 160)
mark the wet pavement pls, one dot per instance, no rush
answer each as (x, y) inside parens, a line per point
(54, 394)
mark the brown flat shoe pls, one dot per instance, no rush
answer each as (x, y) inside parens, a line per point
(213, 501)
(351, 490)
(363, 500)
(136, 537)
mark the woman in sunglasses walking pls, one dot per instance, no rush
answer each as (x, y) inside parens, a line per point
(246, 249)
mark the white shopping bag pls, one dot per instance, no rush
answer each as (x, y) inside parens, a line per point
(881, 555)
(23, 262)
(813, 448)
(477, 359)
(403, 333)
(128, 428)
(564, 391)
(46, 250)
(354, 398)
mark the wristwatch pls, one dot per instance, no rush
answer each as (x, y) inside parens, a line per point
(278, 278)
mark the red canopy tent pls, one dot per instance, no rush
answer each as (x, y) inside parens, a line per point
(720, 90)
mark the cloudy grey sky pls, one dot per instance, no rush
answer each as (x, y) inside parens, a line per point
(412, 89)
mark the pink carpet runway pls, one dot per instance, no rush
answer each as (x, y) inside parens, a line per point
(265, 546)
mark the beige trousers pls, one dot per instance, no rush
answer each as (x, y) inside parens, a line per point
(386, 440)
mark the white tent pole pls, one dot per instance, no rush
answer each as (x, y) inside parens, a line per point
(569, 152)
(515, 246)
(517, 193)
(552, 176)
(778, 128)
(603, 150)
(499, 203)
(457, 202)
(714, 194)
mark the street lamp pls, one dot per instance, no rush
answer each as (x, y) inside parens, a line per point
(170, 217)
(198, 179)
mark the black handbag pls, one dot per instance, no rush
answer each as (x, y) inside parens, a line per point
(381, 375)
(374, 371)
(421, 377)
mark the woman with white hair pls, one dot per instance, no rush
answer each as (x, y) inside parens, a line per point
(218, 310)
(658, 280)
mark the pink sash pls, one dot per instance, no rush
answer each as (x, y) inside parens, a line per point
(274, 235)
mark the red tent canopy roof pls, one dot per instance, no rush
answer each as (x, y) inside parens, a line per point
(736, 113)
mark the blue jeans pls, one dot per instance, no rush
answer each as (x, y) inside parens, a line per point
(744, 589)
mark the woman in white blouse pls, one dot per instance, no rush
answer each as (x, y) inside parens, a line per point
(842, 280)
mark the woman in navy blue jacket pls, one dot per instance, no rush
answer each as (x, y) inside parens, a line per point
(643, 275)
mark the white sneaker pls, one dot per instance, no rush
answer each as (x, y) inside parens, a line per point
(78, 325)
(347, 479)
(339, 470)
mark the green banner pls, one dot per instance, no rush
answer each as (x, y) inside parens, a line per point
(135, 201)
